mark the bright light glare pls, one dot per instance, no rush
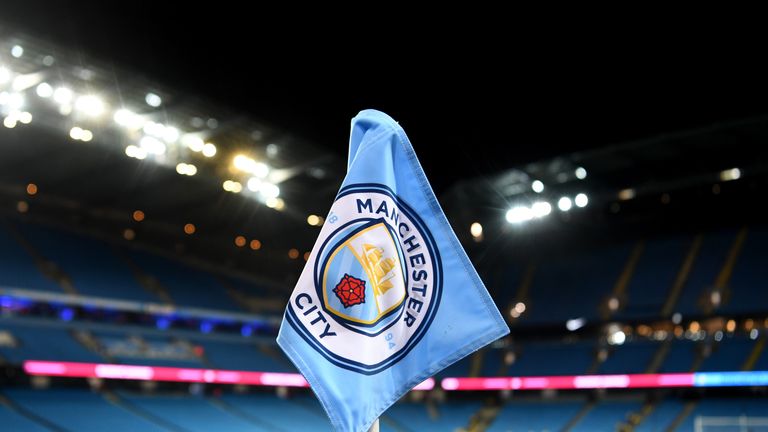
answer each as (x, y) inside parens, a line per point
(153, 100)
(90, 105)
(519, 214)
(44, 90)
(541, 209)
(581, 200)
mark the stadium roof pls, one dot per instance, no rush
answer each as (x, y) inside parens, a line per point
(508, 122)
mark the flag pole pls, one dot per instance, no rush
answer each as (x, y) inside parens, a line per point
(374, 426)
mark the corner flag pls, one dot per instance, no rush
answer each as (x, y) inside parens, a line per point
(388, 296)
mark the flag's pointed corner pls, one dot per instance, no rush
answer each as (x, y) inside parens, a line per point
(365, 123)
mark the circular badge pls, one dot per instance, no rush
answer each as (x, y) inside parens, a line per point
(372, 283)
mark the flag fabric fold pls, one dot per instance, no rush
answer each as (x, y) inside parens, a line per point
(388, 296)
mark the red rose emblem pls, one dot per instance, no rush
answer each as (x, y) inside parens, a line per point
(350, 290)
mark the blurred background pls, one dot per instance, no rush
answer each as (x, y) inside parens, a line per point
(164, 174)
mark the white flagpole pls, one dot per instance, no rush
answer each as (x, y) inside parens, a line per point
(374, 426)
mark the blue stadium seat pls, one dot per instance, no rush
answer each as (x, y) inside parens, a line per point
(661, 417)
(504, 285)
(187, 286)
(573, 286)
(158, 350)
(632, 357)
(192, 414)
(606, 416)
(762, 361)
(461, 368)
(80, 410)
(90, 263)
(680, 358)
(251, 288)
(653, 277)
(18, 269)
(39, 342)
(728, 355)
(750, 276)
(449, 416)
(492, 362)
(302, 413)
(538, 359)
(13, 421)
(242, 356)
(534, 415)
(709, 262)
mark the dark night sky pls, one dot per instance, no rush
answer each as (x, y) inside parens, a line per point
(492, 97)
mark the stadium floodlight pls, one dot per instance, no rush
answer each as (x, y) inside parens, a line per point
(25, 81)
(249, 165)
(186, 169)
(476, 230)
(5, 75)
(128, 119)
(170, 134)
(76, 133)
(269, 190)
(575, 324)
(581, 173)
(232, 186)
(272, 150)
(152, 145)
(17, 51)
(25, 117)
(730, 174)
(44, 90)
(86, 135)
(254, 184)
(260, 169)
(617, 338)
(9, 122)
(48, 60)
(519, 214)
(63, 96)
(153, 100)
(193, 142)
(313, 220)
(627, 194)
(613, 304)
(564, 204)
(243, 163)
(90, 105)
(135, 152)
(541, 209)
(581, 200)
(14, 101)
(209, 150)
(537, 186)
(154, 129)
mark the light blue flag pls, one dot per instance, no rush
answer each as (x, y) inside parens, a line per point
(388, 296)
